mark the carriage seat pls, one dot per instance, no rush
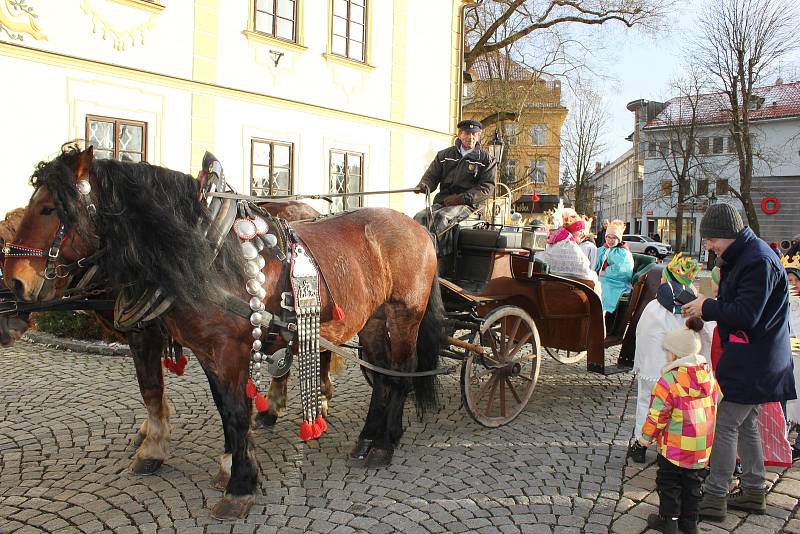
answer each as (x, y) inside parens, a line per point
(475, 250)
(642, 263)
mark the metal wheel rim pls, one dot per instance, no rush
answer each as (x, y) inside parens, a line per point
(565, 356)
(492, 397)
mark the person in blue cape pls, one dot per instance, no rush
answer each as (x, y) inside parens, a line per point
(614, 265)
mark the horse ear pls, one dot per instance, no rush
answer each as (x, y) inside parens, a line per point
(85, 160)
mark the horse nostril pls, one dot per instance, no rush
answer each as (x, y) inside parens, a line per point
(18, 288)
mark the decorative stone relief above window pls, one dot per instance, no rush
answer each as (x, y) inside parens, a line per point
(123, 22)
(18, 18)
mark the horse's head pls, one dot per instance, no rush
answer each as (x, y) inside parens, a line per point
(54, 232)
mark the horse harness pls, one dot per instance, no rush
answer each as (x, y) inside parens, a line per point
(79, 289)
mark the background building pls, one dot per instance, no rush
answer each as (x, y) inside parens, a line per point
(714, 175)
(529, 113)
(612, 190)
(293, 96)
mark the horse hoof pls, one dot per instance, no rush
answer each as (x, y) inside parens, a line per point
(361, 450)
(145, 466)
(220, 480)
(138, 439)
(378, 457)
(265, 420)
(233, 507)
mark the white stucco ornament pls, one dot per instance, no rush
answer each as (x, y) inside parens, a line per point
(17, 18)
(123, 24)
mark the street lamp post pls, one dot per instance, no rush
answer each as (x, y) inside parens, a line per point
(693, 229)
(495, 147)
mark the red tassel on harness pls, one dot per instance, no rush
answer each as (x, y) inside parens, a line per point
(250, 389)
(323, 425)
(169, 365)
(338, 313)
(262, 405)
(180, 365)
(306, 432)
(316, 430)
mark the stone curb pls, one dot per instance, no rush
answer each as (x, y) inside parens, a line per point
(76, 345)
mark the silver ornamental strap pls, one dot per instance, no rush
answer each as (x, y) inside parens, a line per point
(305, 288)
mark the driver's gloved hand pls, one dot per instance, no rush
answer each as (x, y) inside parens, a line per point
(453, 200)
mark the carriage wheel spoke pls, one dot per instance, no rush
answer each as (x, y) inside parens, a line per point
(502, 397)
(526, 378)
(488, 410)
(513, 335)
(503, 342)
(519, 345)
(513, 390)
(493, 343)
(484, 389)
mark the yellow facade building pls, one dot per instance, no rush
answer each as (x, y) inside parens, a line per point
(293, 96)
(530, 117)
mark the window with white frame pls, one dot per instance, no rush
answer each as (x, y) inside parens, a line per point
(718, 145)
(539, 135)
(538, 171)
(702, 145)
(349, 29)
(652, 149)
(277, 18)
(346, 176)
(271, 169)
(114, 138)
(510, 131)
(509, 171)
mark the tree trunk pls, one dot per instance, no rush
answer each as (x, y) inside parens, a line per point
(747, 200)
(682, 186)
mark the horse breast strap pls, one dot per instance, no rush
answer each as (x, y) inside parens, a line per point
(304, 277)
(300, 322)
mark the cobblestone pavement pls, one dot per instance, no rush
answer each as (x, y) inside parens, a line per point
(66, 420)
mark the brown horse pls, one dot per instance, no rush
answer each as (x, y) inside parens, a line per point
(150, 225)
(149, 343)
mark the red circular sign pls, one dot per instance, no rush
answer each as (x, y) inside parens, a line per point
(770, 205)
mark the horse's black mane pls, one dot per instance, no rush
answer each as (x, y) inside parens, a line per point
(151, 224)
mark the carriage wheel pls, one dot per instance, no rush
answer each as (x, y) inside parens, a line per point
(497, 385)
(565, 356)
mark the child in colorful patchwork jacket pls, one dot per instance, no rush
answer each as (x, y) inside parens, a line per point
(661, 316)
(683, 411)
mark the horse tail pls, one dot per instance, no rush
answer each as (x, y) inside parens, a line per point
(429, 343)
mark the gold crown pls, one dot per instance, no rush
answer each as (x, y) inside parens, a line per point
(791, 262)
(684, 267)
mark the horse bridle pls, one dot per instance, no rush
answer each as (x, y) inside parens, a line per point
(53, 267)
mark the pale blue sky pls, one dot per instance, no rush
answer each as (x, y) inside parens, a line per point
(642, 67)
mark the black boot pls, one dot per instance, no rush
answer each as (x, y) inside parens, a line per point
(662, 524)
(687, 527)
(637, 451)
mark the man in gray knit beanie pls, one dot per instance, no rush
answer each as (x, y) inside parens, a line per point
(752, 315)
(721, 221)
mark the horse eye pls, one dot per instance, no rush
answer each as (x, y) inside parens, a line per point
(47, 210)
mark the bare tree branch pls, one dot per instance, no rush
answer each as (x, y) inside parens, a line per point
(525, 17)
(582, 143)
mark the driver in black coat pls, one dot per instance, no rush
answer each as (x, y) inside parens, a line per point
(465, 176)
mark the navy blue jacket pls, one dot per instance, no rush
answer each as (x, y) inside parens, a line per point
(753, 305)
